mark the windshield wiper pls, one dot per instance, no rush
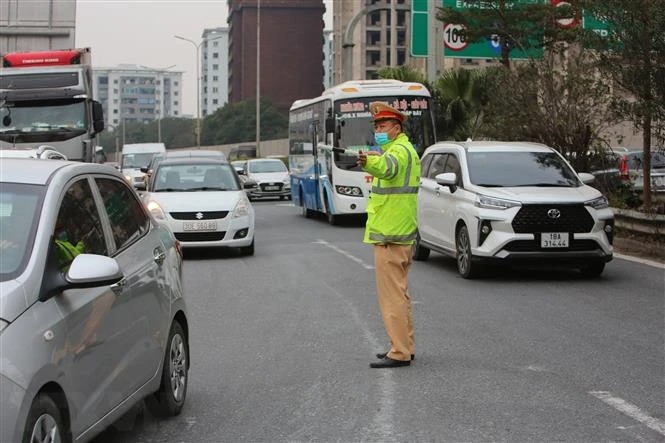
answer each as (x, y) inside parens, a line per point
(169, 190)
(489, 185)
(208, 188)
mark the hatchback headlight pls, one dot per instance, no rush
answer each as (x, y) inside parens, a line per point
(156, 210)
(484, 201)
(241, 209)
(597, 203)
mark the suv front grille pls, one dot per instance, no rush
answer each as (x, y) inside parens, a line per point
(210, 215)
(535, 218)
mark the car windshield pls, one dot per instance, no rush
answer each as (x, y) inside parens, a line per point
(137, 160)
(195, 177)
(20, 206)
(509, 169)
(266, 166)
(635, 160)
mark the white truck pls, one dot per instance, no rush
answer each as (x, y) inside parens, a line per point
(46, 99)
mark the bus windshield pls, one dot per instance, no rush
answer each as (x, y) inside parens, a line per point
(357, 130)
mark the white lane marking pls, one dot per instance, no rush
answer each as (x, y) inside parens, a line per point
(630, 410)
(381, 428)
(344, 253)
(643, 261)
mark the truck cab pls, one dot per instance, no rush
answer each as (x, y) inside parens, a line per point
(46, 98)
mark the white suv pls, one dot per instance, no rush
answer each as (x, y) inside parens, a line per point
(510, 202)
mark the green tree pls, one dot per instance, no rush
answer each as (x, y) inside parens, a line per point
(524, 24)
(236, 122)
(558, 101)
(633, 56)
(404, 73)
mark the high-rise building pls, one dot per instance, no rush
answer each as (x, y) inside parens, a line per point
(291, 50)
(137, 93)
(370, 39)
(214, 69)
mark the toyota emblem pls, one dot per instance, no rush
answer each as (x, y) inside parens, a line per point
(554, 213)
(199, 215)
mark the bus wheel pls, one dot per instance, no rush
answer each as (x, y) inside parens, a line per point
(332, 219)
(307, 213)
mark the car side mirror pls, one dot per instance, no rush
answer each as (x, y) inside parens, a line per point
(140, 186)
(586, 177)
(447, 179)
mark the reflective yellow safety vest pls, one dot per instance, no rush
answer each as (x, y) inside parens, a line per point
(67, 252)
(391, 210)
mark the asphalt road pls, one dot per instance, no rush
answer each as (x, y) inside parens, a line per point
(281, 343)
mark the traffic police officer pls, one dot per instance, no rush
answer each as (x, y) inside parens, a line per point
(391, 228)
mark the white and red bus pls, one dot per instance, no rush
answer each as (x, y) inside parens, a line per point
(326, 132)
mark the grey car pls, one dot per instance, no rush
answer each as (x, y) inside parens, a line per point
(92, 315)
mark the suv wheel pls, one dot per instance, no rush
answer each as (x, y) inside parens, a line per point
(465, 265)
(420, 252)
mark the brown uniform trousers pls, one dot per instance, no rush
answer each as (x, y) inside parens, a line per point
(391, 267)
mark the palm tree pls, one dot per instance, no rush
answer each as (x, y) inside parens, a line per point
(461, 96)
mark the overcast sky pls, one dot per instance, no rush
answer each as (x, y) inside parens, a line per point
(141, 32)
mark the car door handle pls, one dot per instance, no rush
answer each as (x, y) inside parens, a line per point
(159, 255)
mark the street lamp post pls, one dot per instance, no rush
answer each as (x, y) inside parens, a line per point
(198, 88)
(258, 78)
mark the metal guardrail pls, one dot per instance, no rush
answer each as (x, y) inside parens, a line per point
(641, 222)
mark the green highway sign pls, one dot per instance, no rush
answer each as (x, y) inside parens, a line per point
(599, 26)
(455, 46)
(419, 26)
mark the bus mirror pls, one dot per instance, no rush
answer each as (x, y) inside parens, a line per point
(330, 125)
(97, 116)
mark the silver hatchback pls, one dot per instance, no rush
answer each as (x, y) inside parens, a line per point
(92, 316)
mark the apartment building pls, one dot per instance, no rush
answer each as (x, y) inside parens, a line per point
(370, 37)
(214, 69)
(291, 50)
(137, 93)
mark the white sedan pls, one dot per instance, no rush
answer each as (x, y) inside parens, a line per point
(203, 202)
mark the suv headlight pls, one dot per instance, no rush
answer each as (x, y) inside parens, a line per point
(484, 201)
(597, 203)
